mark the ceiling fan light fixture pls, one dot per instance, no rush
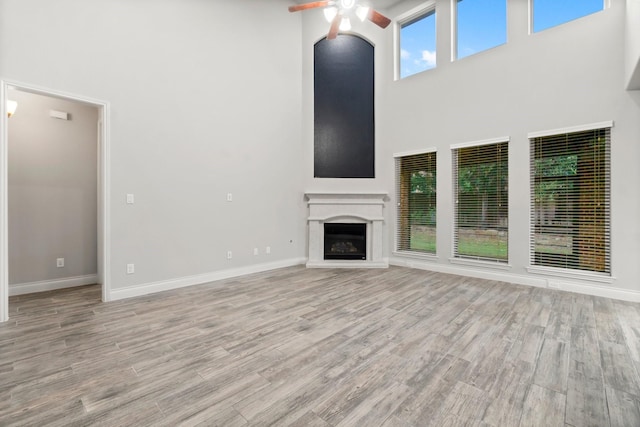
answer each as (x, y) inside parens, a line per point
(362, 12)
(330, 13)
(347, 4)
(345, 24)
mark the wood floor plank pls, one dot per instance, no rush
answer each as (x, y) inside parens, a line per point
(508, 394)
(618, 369)
(322, 347)
(552, 368)
(629, 320)
(624, 409)
(543, 407)
(586, 399)
(466, 403)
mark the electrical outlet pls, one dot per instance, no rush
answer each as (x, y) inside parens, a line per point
(255, 251)
(131, 268)
(60, 262)
(229, 254)
(267, 250)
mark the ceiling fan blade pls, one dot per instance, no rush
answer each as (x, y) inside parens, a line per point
(379, 19)
(312, 5)
(335, 25)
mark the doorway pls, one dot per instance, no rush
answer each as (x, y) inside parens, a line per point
(98, 242)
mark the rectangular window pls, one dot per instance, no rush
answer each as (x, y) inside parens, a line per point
(550, 13)
(480, 25)
(570, 200)
(417, 42)
(416, 201)
(481, 191)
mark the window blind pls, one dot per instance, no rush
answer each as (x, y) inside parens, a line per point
(481, 194)
(570, 200)
(416, 202)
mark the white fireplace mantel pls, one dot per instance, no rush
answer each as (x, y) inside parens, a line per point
(346, 207)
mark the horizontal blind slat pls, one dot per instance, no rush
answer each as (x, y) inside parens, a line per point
(481, 195)
(416, 202)
(570, 200)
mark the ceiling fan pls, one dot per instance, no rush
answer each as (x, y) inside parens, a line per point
(338, 12)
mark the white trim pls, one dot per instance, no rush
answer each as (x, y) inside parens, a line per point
(346, 217)
(481, 263)
(104, 107)
(571, 274)
(571, 129)
(319, 197)
(198, 279)
(51, 285)
(4, 240)
(596, 290)
(423, 256)
(520, 279)
(530, 16)
(415, 152)
(454, 31)
(415, 12)
(104, 275)
(481, 142)
(343, 263)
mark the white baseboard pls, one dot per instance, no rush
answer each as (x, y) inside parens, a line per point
(198, 279)
(348, 264)
(51, 285)
(563, 284)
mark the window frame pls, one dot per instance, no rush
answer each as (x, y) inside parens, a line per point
(456, 257)
(606, 4)
(455, 26)
(409, 17)
(398, 245)
(579, 273)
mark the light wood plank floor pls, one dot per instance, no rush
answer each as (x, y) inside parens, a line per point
(316, 347)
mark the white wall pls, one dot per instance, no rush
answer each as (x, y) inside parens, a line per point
(565, 76)
(210, 97)
(205, 99)
(52, 190)
(632, 43)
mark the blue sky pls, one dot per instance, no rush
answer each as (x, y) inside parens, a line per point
(482, 24)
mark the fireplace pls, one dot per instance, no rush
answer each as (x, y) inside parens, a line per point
(345, 241)
(357, 216)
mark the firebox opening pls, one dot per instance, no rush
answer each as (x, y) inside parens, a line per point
(345, 241)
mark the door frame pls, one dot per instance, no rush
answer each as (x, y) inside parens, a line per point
(103, 187)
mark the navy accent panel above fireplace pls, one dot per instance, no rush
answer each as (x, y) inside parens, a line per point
(344, 108)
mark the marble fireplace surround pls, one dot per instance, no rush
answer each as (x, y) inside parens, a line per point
(344, 207)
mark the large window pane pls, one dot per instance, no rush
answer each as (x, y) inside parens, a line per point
(481, 25)
(416, 201)
(481, 182)
(418, 44)
(570, 201)
(549, 13)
